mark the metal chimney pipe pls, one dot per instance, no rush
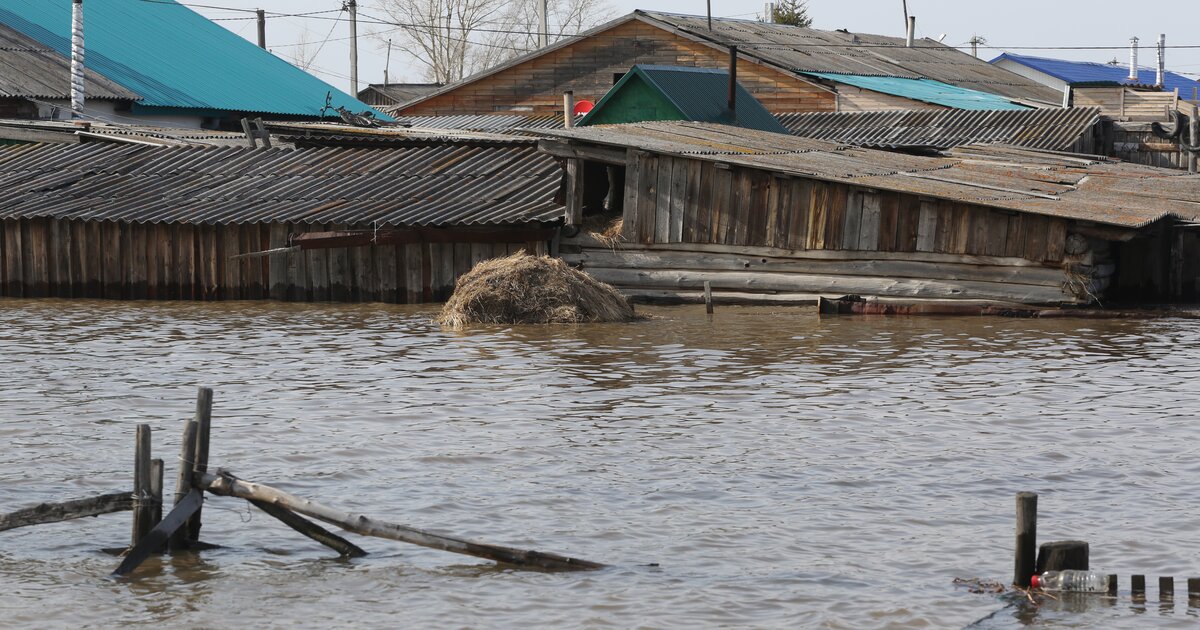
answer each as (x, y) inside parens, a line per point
(1162, 60)
(78, 95)
(1133, 64)
(733, 82)
(912, 31)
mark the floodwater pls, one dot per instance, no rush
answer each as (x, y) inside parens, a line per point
(781, 469)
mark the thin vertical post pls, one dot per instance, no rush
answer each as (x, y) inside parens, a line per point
(1193, 137)
(203, 420)
(1025, 556)
(733, 83)
(352, 7)
(1112, 585)
(1166, 588)
(710, 15)
(156, 489)
(183, 482)
(543, 35)
(708, 303)
(78, 89)
(1193, 591)
(262, 28)
(142, 501)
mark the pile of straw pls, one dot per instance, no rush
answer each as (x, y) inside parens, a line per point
(524, 289)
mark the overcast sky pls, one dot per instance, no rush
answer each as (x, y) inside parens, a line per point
(1006, 24)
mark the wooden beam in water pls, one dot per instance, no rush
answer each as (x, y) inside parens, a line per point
(310, 529)
(170, 526)
(67, 510)
(227, 485)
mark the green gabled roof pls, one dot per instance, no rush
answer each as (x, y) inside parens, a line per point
(171, 56)
(650, 92)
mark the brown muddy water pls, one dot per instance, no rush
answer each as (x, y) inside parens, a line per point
(784, 470)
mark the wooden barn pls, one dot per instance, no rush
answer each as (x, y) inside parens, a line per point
(393, 224)
(787, 68)
(770, 217)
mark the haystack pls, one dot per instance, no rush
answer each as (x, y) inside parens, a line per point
(524, 289)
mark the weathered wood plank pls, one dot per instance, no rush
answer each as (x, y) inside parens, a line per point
(1014, 244)
(67, 510)
(997, 233)
(801, 213)
(79, 259)
(852, 222)
(694, 207)
(278, 265)
(872, 211)
(630, 230)
(185, 243)
(889, 222)
(60, 262)
(818, 216)
(743, 209)
(909, 223)
(1036, 229)
(386, 271)
(139, 270)
(1056, 240)
(662, 203)
(233, 269)
(835, 215)
(341, 280)
(413, 278)
(647, 198)
(36, 259)
(679, 192)
(723, 203)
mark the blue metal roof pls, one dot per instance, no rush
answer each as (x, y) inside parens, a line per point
(924, 90)
(700, 94)
(1080, 72)
(173, 57)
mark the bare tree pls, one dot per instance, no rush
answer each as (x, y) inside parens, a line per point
(302, 54)
(451, 39)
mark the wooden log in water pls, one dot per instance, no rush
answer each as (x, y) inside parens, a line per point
(183, 482)
(154, 541)
(1062, 555)
(708, 303)
(67, 510)
(1025, 554)
(310, 529)
(143, 508)
(203, 420)
(226, 485)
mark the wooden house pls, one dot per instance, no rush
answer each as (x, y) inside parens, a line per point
(771, 217)
(801, 70)
(388, 223)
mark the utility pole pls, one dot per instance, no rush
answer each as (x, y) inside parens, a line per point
(543, 25)
(975, 42)
(262, 29)
(352, 7)
(387, 64)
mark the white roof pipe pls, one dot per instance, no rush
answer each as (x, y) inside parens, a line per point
(1162, 61)
(912, 30)
(1133, 51)
(77, 51)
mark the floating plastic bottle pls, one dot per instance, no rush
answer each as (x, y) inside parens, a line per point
(1071, 580)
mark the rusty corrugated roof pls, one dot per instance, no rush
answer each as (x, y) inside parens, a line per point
(433, 185)
(1051, 128)
(1042, 182)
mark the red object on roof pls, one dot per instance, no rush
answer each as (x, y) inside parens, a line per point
(583, 107)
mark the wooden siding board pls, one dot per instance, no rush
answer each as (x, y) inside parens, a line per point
(872, 215)
(908, 218)
(1056, 240)
(14, 275)
(800, 211)
(662, 203)
(679, 192)
(927, 226)
(852, 223)
(629, 207)
(647, 198)
(818, 216)
(693, 207)
(722, 205)
(889, 222)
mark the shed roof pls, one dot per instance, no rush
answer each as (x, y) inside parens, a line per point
(171, 56)
(700, 94)
(437, 184)
(1056, 129)
(30, 69)
(1013, 178)
(1090, 72)
(401, 93)
(807, 50)
(924, 90)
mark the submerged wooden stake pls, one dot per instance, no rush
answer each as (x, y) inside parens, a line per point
(67, 510)
(203, 419)
(1166, 588)
(1025, 556)
(153, 541)
(227, 485)
(708, 303)
(156, 490)
(143, 502)
(312, 530)
(183, 483)
(1062, 555)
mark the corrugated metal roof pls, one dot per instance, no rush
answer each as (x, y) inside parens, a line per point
(172, 56)
(32, 70)
(1050, 128)
(1012, 178)
(435, 185)
(1082, 72)
(924, 90)
(809, 50)
(498, 123)
(700, 94)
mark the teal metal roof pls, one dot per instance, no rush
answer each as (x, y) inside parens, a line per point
(924, 90)
(173, 57)
(700, 94)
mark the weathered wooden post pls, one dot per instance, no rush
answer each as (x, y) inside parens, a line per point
(1062, 555)
(183, 482)
(1193, 137)
(156, 490)
(203, 420)
(1137, 586)
(143, 503)
(708, 303)
(1025, 554)
(1166, 589)
(1112, 585)
(1193, 591)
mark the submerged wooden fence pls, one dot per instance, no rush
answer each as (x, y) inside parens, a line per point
(43, 257)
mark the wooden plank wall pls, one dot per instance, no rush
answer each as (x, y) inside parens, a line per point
(588, 66)
(115, 260)
(749, 207)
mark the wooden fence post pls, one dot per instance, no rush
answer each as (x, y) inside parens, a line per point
(143, 504)
(183, 482)
(1025, 555)
(203, 420)
(156, 490)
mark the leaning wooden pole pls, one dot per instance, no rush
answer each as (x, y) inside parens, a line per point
(143, 501)
(227, 485)
(203, 419)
